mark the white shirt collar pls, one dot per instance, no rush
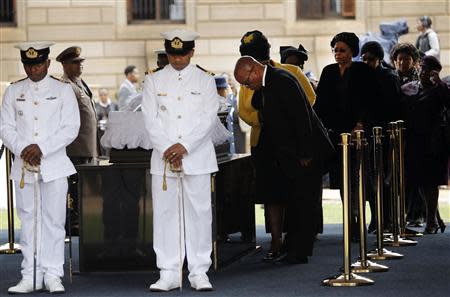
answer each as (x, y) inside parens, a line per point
(129, 83)
(264, 76)
(39, 85)
(186, 70)
(108, 102)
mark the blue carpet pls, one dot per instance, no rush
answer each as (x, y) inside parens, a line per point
(425, 270)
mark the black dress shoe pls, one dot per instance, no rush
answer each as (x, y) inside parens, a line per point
(271, 256)
(280, 257)
(288, 259)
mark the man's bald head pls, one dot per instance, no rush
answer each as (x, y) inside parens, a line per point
(249, 72)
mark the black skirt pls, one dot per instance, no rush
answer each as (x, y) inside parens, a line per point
(272, 186)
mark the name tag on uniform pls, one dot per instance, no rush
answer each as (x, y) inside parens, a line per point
(50, 98)
(20, 99)
(195, 93)
(162, 94)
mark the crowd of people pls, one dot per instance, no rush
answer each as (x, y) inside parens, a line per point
(296, 120)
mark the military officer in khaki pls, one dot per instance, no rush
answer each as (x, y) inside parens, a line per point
(85, 146)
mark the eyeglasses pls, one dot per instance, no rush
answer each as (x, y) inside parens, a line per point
(338, 50)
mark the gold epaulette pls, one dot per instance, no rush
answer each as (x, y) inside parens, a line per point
(19, 80)
(203, 69)
(59, 79)
(153, 70)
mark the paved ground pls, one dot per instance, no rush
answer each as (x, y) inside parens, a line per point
(424, 270)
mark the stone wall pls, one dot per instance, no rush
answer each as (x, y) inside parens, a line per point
(109, 43)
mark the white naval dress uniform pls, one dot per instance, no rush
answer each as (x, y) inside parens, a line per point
(181, 107)
(43, 113)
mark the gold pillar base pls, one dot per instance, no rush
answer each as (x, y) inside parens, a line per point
(401, 242)
(370, 267)
(6, 249)
(386, 255)
(352, 280)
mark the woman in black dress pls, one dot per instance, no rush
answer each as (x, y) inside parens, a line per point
(426, 150)
(344, 94)
(405, 57)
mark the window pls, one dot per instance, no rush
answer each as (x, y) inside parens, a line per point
(160, 11)
(7, 12)
(322, 9)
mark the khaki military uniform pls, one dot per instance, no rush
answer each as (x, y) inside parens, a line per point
(86, 143)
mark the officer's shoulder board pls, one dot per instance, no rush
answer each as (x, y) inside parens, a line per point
(14, 82)
(58, 79)
(203, 69)
(151, 71)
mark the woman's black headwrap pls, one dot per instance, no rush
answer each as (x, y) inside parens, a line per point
(348, 38)
(256, 45)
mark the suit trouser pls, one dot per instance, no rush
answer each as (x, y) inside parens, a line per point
(51, 217)
(196, 190)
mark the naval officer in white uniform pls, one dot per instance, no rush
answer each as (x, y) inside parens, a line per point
(39, 117)
(180, 108)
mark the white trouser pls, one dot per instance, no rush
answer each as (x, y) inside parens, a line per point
(51, 232)
(198, 220)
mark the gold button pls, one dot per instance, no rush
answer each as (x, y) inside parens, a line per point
(179, 98)
(36, 103)
(36, 134)
(179, 116)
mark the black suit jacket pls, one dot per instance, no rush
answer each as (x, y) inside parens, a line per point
(286, 134)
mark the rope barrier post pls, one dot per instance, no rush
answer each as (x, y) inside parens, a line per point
(396, 240)
(363, 265)
(347, 279)
(11, 247)
(380, 253)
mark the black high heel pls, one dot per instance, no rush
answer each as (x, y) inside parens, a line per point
(432, 230)
(442, 226)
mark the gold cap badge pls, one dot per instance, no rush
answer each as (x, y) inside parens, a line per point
(31, 53)
(77, 51)
(176, 43)
(248, 39)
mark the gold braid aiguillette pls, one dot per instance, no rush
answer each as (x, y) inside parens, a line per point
(22, 179)
(164, 185)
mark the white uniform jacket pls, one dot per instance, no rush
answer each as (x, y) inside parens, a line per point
(43, 113)
(181, 107)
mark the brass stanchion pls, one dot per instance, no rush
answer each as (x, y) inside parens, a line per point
(395, 239)
(363, 265)
(69, 233)
(380, 253)
(347, 279)
(11, 247)
(404, 232)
